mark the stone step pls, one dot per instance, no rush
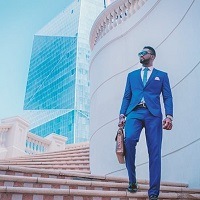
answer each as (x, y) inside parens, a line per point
(35, 162)
(78, 145)
(31, 159)
(34, 182)
(43, 156)
(27, 193)
(66, 151)
(75, 160)
(78, 151)
(63, 174)
(27, 171)
(66, 167)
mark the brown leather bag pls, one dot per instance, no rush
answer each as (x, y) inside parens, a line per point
(120, 147)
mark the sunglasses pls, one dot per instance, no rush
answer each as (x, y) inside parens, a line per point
(143, 53)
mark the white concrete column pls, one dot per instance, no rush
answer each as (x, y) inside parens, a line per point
(3, 132)
(15, 141)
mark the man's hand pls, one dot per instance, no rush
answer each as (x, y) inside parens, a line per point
(167, 123)
(122, 120)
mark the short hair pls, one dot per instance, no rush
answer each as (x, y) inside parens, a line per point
(151, 49)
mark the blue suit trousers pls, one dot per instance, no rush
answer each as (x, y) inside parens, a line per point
(137, 120)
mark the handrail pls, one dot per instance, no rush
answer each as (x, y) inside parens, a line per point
(112, 16)
(14, 135)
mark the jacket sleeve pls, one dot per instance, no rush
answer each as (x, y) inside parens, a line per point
(167, 96)
(127, 97)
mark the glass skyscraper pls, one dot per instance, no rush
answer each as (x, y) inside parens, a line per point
(57, 91)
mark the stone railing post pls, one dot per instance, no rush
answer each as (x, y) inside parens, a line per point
(3, 133)
(15, 138)
(57, 142)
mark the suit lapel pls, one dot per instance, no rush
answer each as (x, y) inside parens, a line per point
(152, 77)
(139, 76)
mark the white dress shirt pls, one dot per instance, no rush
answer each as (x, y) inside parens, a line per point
(148, 75)
(148, 72)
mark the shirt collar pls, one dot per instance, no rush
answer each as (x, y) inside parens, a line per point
(150, 68)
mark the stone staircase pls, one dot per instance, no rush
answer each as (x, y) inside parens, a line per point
(61, 176)
(74, 158)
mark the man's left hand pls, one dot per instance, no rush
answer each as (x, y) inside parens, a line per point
(167, 123)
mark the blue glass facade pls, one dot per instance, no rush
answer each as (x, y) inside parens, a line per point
(61, 125)
(51, 82)
(57, 92)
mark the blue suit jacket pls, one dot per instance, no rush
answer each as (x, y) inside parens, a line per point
(158, 83)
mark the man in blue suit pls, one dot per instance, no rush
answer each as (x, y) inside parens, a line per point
(141, 108)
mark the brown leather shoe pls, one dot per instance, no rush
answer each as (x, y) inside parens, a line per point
(133, 187)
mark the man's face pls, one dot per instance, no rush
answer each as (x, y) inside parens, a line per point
(145, 56)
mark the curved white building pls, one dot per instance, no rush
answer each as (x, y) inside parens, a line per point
(118, 34)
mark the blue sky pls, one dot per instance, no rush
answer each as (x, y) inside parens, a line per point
(19, 21)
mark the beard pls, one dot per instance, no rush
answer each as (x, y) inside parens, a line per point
(144, 61)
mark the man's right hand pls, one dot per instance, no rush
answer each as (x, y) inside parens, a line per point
(122, 120)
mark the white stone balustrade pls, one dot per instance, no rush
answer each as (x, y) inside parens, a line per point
(15, 140)
(112, 16)
(36, 144)
(13, 136)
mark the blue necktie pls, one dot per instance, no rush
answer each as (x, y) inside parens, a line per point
(145, 76)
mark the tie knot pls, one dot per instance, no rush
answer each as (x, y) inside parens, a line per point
(146, 69)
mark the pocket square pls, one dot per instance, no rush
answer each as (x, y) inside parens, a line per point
(157, 78)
